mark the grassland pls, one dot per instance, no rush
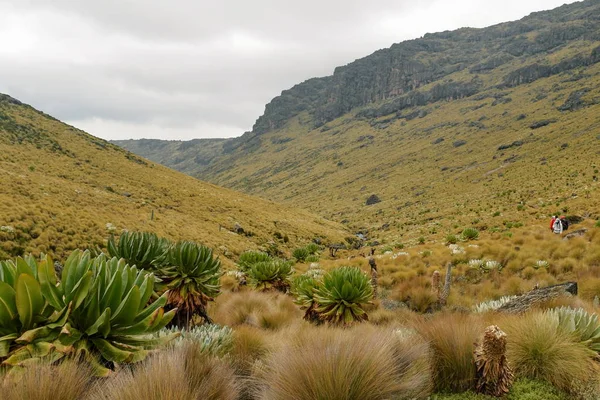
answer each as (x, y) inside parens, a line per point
(64, 189)
(429, 187)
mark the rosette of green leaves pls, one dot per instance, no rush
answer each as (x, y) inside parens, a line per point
(141, 249)
(192, 276)
(300, 254)
(23, 310)
(303, 290)
(342, 295)
(272, 274)
(99, 312)
(249, 258)
(584, 326)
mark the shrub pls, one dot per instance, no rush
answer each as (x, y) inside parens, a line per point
(313, 258)
(336, 365)
(141, 249)
(342, 295)
(191, 275)
(313, 249)
(300, 254)
(451, 239)
(271, 275)
(539, 349)
(470, 234)
(249, 258)
(452, 339)
(43, 381)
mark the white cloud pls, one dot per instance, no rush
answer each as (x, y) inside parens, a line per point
(189, 68)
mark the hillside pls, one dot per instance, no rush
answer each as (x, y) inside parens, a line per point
(64, 189)
(486, 127)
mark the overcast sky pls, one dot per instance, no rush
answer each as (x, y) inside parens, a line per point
(184, 69)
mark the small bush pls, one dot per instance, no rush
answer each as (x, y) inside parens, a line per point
(313, 248)
(300, 254)
(451, 239)
(470, 234)
(249, 258)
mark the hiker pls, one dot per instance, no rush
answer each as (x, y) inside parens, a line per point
(557, 226)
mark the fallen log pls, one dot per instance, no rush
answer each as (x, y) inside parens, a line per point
(525, 302)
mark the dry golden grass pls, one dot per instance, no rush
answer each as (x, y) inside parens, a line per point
(538, 349)
(43, 381)
(182, 373)
(257, 309)
(61, 187)
(336, 364)
(452, 339)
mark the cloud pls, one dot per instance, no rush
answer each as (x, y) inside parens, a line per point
(188, 68)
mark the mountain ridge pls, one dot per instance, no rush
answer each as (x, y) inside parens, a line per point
(430, 126)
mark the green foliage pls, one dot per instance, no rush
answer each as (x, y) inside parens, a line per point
(99, 312)
(300, 254)
(141, 249)
(211, 338)
(451, 239)
(313, 249)
(303, 290)
(470, 234)
(585, 327)
(192, 276)
(313, 258)
(523, 389)
(343, 294)
(272, 274)
(597, 224)
(421, 240)
(249, 258)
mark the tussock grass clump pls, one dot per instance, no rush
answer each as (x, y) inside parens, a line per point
(539, 349)
(337, 364)
(43, 381)
(182, 373)
(452, 339)
(261, 310)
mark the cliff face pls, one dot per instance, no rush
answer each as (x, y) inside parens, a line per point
(408, 66)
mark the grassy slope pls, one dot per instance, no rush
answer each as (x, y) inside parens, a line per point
(61, 186)
(332, 171)
(432, 189)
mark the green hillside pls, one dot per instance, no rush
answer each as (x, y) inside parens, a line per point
(64, 189)
(471, 127)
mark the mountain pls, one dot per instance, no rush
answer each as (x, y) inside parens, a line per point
(64, 189)
(487, 127)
